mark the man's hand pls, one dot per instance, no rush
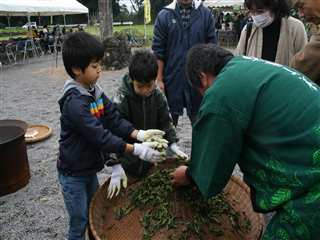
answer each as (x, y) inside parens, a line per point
(118, 175)
(176, 152)
(147, 135)
(179, 177)
(145, 152)
(160, 72)
(161, 86)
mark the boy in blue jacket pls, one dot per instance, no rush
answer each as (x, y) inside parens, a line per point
(91, 128)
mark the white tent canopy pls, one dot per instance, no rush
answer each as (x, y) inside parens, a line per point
(41, 7)
(223, 3)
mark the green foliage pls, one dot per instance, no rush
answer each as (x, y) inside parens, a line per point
(91, 4)
(156, 6)
(158, 200)
(120, 13)
(137, 30)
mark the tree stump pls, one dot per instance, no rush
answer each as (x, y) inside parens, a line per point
(117, 52)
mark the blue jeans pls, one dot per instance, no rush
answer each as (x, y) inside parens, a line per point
(77, 193)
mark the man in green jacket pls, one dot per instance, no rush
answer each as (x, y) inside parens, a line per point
(143, 104)
(266, 118)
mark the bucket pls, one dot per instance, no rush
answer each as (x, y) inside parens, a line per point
(14, 166)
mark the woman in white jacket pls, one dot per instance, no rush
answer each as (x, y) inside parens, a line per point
(272, 35)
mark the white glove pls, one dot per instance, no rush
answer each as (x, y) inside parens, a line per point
(146, 135)
(160, 147)
(145, 152)
(159, 144)
(175, 150)
(118, 175)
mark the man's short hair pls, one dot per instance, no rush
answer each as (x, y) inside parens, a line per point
(143, 66)
(79, 49)
(206, 58)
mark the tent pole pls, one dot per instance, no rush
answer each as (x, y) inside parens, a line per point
(9, 25)
(88, 19)
(51, 20)
(64, 19)
(39, 22)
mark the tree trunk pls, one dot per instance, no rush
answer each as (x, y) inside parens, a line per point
(106, 18)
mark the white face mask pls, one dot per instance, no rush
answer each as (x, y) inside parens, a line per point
(263, 20)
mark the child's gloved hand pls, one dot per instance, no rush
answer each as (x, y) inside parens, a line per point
(159, 144)
(145, 152)
(175, 151)
(160, 147)
(118, 175)
(147, 135)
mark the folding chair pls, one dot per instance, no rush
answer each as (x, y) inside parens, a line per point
(38, 47)
(29, 47)
(10, 50)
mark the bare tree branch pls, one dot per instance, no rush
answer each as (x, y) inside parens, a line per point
(133, 6)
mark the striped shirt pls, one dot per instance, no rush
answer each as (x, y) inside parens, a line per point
(185, 13)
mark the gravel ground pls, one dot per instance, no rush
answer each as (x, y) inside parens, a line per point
(29, 92)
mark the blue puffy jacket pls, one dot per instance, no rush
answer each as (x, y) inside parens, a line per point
(171, 43)
(91, 128)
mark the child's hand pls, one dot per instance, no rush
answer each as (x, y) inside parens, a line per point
(118, 175)
(146, 135)
(175, 150)
(160, 146)
(145, 152)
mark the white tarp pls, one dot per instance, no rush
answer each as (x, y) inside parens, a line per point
(41, 7)
(223, 3)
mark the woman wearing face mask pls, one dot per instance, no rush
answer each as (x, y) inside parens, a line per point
(272, 35)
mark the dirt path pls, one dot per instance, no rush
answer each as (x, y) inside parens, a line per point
(30, 92)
